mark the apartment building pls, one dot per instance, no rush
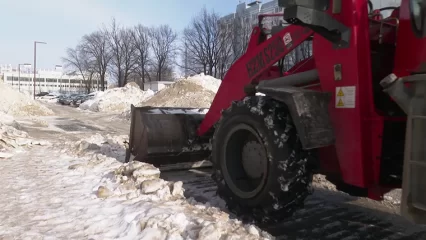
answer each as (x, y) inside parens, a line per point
(250, 11)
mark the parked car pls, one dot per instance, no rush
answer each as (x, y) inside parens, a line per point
(66, 99)
(74, 100)
(48, 97)
(42, 94)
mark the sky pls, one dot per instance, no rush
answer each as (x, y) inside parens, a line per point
(61, 23)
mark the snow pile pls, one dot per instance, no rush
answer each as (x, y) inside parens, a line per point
(183, 93)
(97, 148)
(8, 120)
(194, 92)
(117, 100)
(18, 104)
(206, 81)
(13, 140)
(92, 104)
(152, 207)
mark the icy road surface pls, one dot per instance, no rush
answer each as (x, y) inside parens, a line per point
(41, 198)
(327, 214)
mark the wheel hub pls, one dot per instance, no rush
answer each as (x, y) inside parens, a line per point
(253, 159)
(244, 161)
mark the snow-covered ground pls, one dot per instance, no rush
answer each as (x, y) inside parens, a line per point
(63, 188)
(81, 190)
(15, 104)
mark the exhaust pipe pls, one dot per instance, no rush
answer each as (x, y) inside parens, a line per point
(395, 88)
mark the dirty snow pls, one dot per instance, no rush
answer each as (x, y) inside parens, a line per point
(194, 92)
(117, 100)
(13, 140)
(206, 81)
(321, 181)
(81, 191)
(15, 103)
(183, 93)
(393, 197)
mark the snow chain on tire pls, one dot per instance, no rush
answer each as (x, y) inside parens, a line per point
(289, 180)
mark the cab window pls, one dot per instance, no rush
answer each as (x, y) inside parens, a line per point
(417, 14)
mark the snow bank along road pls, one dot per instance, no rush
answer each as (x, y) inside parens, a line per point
(42, 198)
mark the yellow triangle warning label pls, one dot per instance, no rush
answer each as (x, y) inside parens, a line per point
(340, 93)
(340, 103)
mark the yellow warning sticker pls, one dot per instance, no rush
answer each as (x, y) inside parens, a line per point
(345, 97)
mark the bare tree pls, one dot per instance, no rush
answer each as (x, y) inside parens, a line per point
(123, 51)
(224, 55)
(206, 45)
(163, 44)
(78, 61)
(300, 53)
(142, 57)
(242, 28)
(88, 84)
(198, 39)
(95, 46)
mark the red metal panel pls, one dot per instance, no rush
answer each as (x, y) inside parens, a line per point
(356, 145)
(232, 87)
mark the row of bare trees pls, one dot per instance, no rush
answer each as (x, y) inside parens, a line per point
(208, 45)
(211, 45)
(138, 54)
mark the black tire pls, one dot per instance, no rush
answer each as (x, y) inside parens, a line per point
(287, 181)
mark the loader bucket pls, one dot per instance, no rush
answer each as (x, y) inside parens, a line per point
(163, 136)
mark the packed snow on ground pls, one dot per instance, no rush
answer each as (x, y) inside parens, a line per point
(117, 100)
(320, 181)
(13, 140)
(15, 103)
(108, 199)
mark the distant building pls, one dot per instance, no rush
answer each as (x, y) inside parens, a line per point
(157, 85)
(54, 80)
(250, 11)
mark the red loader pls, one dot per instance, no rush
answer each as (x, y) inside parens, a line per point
(355, 110)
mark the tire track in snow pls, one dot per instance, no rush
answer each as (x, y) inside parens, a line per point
(319, 219)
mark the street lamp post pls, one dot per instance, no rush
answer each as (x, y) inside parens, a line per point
(19, 74)
(35, 62)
